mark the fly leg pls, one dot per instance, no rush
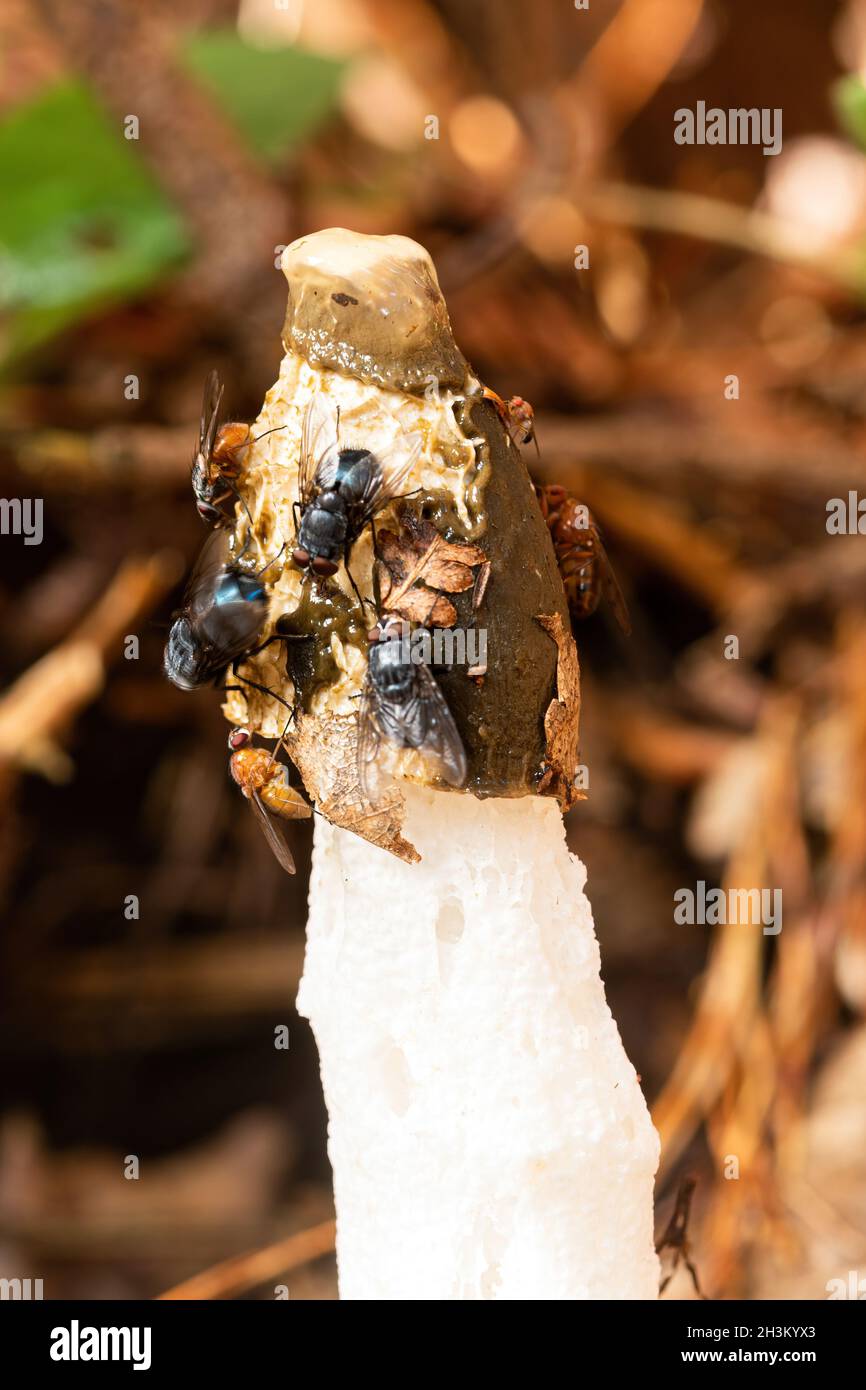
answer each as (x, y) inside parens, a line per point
(377, 593)
(233, 489)
(279, 637)
(362, 602)
(260, 572)
(256, 685)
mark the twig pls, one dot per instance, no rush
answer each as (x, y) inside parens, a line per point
(42, 702)
(244, 1272)
(660, 747)
(730, 997)
(630, 61)
(712, 219)
(118, 456)
(660, 532)
(770, 452)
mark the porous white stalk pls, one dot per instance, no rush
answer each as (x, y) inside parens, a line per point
(488, 1135)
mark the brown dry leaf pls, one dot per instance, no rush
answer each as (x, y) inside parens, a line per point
(419, 605)
(562, 720)
(416, 565)
(481, 582)
(325, 754)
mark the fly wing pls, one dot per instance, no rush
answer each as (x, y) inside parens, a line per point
(319, 457)
(210, 410)
(612, 592)
(423, 722)
(441, 740)
(387, 481)
(369, 744)
(207, 571)
(272, 834)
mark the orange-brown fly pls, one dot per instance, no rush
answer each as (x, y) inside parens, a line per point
(219, 458)
(583, 562)
(517, 416)
(265, 784)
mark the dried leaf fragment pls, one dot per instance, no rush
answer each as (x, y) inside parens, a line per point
(482, 579)
(327, 762)
(415, 567)
(562, 720)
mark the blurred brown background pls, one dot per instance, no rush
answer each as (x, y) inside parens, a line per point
(128, 268)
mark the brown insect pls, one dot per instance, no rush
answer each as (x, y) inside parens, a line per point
(265, 784)
(517, 416)
(583, 562)
(219, 458)
(676, 1237)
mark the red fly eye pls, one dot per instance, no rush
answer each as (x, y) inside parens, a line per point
(323, 567)
(239, 738)
(301, 558)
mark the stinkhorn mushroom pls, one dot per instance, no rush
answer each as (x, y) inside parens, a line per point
(488, 1136)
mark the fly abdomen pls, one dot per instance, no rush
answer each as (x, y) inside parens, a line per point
(212, 632)
(237, 587)
(184, 661)
(323, 528)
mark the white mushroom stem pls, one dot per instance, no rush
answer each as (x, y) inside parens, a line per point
(488, 1135)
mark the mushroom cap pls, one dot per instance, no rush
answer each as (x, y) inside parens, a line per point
(370, 306)
(367, 327)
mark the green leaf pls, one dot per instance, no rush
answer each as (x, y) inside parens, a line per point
(849, 102)
(274, 96)
(82, 223)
